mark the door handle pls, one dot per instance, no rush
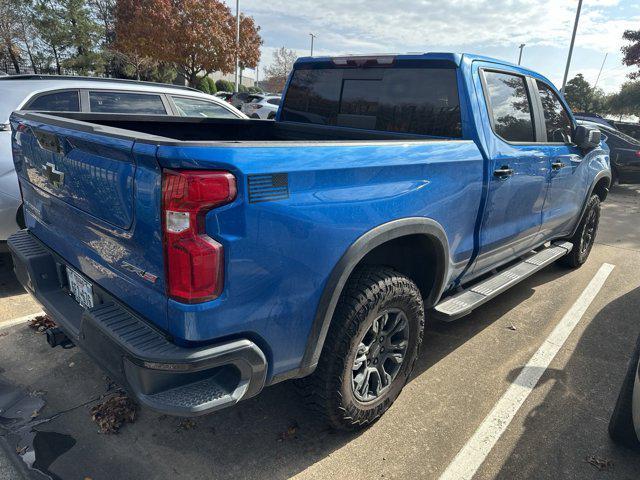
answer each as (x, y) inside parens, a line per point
(503, 172)
(557, 165)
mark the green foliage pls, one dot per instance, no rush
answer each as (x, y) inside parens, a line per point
(207, 85)
(578, 94)
(627, 101)
(243, 89)
(224, 86)
(255, 89)
(631, 52)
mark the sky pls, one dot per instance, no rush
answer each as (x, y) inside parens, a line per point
(493, 27)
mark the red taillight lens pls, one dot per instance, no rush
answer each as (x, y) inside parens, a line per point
(638, 154)
(194, 261)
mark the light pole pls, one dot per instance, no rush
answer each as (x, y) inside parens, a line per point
(573, 39)
(236, 87)
(522, 45)
(312, 38)
(600, 72)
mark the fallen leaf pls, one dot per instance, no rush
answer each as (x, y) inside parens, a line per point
(41, 323)
(186, 424)
(289, 432)
(113, 412)
(599, 462)
(512, 327)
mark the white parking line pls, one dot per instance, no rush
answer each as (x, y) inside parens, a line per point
(470, 458)
(16, 321)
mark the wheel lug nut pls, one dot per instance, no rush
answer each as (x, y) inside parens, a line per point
(368, 362)
(382, 349)
(381, 339)
(375, 361)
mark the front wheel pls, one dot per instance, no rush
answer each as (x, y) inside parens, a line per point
(585, 235)
(370, 350)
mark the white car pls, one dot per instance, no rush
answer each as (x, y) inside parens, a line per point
(262, 106)
(82, 94)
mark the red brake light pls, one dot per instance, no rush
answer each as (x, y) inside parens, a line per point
(638, 154)
(194, 261)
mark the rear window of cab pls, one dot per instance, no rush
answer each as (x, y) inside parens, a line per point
(421, 101)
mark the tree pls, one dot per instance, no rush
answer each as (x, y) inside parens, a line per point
(137, 33)
(278, 71)
(578, 93)
(224, 86)
(631, 52)
(627, 101)
(197, 37)
(10, 31)
(52, 30)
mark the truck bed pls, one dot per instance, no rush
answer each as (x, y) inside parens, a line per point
(189, 129)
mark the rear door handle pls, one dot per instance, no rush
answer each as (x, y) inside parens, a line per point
(557, 165)
(503, 172)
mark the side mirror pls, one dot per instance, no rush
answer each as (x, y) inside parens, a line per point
(587, 138)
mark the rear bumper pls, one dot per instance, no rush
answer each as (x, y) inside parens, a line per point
(159, 374)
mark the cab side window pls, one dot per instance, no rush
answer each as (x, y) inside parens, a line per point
(556, 118)
(510, 106)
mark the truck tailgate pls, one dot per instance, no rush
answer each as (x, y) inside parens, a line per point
(94, 200)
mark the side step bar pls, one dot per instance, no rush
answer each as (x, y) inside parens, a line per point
(464, 302)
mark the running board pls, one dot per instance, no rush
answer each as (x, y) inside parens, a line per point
(463, 303)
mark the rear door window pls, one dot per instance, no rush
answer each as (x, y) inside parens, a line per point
(67, 101)
(420, 101)
(126, 102)
(510, 106)
(274, 101)
(556, 118)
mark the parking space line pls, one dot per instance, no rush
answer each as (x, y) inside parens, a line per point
(475, 451)
(19, 320)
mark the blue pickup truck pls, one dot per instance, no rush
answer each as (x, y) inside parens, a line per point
(200, 260)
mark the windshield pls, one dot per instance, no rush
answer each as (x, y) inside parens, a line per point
(420, 101)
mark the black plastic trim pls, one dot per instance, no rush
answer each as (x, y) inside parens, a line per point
(143, 359)
(355, 253)
(599, 176)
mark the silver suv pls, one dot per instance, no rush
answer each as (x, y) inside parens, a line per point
(81, 94)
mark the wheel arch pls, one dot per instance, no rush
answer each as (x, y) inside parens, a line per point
(416, 229)
(600, 186)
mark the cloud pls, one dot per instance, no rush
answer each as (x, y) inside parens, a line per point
(373, 26)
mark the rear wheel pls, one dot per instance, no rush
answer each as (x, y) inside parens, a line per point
(585, 235)
(370, 350)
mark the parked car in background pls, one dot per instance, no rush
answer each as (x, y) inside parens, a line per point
(96, 95)
(238, 98)
(625, 153)
(262, 106)
(593, 117)
(631, 129)
(389, 190)
(223, 95)
(624, 426)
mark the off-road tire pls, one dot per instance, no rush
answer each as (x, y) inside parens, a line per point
(580, 251)
(370, 291)
(621, 428)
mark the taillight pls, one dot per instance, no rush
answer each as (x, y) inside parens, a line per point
(194, 261)
(638, 154)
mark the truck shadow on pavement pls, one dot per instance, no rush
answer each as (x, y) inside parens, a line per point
(270, 436)
(565, 435)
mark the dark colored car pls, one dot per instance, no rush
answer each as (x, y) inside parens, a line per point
(625, 153)
(631, 129)
(593, 117)
(624, 427)
(238, 99)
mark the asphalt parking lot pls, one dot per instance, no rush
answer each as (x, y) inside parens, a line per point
(465, 367)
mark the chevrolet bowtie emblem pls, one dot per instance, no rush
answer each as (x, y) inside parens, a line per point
(56, 177)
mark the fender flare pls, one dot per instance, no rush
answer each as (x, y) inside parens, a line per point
(354, 254)
(599, 176)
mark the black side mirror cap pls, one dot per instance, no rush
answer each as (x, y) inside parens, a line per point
(587, 138)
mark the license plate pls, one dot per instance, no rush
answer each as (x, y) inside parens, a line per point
(80, 289)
